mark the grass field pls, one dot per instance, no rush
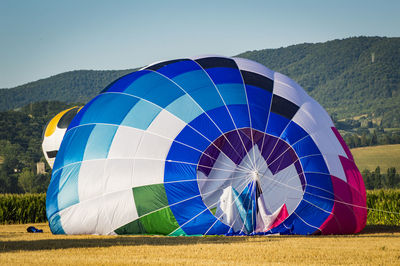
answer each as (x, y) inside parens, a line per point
(370, 157)
(375, 245)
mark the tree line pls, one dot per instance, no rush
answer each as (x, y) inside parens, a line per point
(21, 139)
(371, 139)
(377, 180)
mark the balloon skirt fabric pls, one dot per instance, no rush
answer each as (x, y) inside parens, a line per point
(204, 146)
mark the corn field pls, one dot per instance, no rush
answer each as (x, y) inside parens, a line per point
(31, 208)
(22, 208)
(384, 207)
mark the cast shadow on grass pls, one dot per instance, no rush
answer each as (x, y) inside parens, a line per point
(380, 229)
(375, 230)
(65, 243)
(94, 242)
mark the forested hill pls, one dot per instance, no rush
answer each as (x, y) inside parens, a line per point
(349, 77)
(74, 86)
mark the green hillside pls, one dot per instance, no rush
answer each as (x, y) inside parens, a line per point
(74, 86)
(349, 77)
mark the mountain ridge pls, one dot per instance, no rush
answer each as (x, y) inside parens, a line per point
(349, 77)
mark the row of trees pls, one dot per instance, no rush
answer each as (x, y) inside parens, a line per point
(21, 138)
(28, 181)
(377, 180)
(368, 139)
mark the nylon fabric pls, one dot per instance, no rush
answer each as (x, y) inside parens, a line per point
(208, 145)
(149, 198)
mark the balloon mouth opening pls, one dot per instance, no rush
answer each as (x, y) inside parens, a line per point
(255, 176)
(244, 176)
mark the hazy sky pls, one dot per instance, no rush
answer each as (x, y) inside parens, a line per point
(46, 37)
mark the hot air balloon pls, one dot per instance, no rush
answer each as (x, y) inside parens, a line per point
(54, 132)
(204, 146)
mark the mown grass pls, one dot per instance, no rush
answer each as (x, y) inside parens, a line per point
(377, 245)
(384, 156)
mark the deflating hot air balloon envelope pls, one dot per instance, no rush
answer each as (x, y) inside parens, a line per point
(204, 146)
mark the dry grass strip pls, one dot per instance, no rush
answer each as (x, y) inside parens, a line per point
(375, 245)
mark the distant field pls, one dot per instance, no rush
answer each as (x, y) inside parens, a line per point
(384, 155)
(376, 245)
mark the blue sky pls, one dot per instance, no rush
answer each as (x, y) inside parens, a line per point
(46, 37)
